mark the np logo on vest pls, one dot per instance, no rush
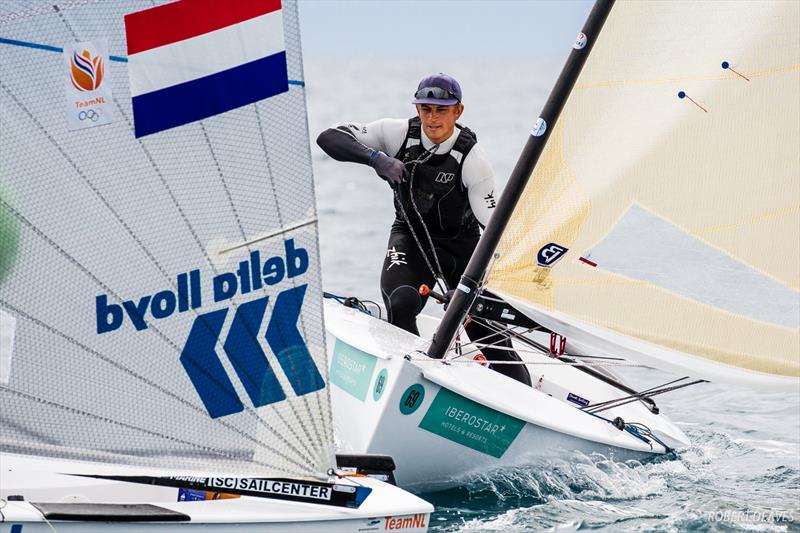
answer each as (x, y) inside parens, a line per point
(549, 254)
(445, 177)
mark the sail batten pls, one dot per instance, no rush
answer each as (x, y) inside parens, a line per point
(665, 209)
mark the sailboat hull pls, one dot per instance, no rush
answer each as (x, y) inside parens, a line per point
(446, 422)
(67, 502)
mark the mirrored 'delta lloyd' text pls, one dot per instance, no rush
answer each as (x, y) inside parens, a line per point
(242, 345)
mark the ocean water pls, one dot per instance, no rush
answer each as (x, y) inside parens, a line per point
(742, 472)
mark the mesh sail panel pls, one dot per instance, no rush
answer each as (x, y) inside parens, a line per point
(666, 205)
(164, 291)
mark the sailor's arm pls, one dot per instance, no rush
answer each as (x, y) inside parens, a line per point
(368, 144)
(478, 178)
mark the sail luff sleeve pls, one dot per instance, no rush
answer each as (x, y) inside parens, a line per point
(465, 296)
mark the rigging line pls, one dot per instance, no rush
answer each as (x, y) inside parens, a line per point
(421, 160)
(477, 348)
(639, 428)
(323, 407)
(437, 275)
(419, 244)
(499, 362)
(645, 391)
(478, 341)
(641, 398)
(541, 348)
(637, 397)
(250, 411)
(530, 342)
(634, 398)
(502, 349)
(503, 332)
(513, 333)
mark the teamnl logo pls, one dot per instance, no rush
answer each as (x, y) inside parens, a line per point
(86, 70)
(242, 345)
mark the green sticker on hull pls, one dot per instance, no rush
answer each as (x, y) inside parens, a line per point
(471, 424)
(380, 384)
(351, 369)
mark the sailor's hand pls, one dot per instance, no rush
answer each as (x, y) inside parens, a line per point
(391, 169)
(447, 297)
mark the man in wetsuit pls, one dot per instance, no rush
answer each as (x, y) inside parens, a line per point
(444, 194)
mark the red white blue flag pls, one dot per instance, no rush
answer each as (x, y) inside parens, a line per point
(193, 59)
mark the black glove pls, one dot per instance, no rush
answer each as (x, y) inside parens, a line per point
(391, 169)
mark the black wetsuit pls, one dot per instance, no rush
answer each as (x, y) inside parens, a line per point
(434, 195)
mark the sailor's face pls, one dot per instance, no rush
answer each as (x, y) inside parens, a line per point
(439, 121)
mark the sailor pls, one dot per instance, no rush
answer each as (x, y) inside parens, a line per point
(443, 195)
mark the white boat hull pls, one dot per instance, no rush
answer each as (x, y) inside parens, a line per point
(442, 423)
(41, 482)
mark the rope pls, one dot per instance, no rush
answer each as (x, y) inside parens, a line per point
(648, 393)
(354, 303)
(437, 273)
(640, 430)
(422, 159)
(554, 362)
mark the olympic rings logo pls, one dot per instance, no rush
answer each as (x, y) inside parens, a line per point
(92, 115)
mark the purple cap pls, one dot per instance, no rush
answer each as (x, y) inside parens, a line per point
(438, 89)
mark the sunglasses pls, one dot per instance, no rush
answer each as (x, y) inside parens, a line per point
(435, 92)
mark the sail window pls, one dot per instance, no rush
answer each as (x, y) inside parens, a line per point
(646, 247)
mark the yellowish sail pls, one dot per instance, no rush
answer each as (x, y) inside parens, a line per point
(665, 208)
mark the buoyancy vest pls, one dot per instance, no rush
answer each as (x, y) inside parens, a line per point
(438, 191)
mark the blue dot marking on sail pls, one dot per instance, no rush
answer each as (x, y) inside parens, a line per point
(727, 66)
(682, 95)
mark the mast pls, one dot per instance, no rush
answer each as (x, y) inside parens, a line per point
(467, 288)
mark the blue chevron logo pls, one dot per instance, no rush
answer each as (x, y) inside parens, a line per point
(204, 367)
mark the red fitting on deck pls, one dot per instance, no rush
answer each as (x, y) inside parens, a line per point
(558, 344)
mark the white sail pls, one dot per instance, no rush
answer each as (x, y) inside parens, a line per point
(164, 289)
(663, 219)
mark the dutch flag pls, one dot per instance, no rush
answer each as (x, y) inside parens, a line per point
(193, 59)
